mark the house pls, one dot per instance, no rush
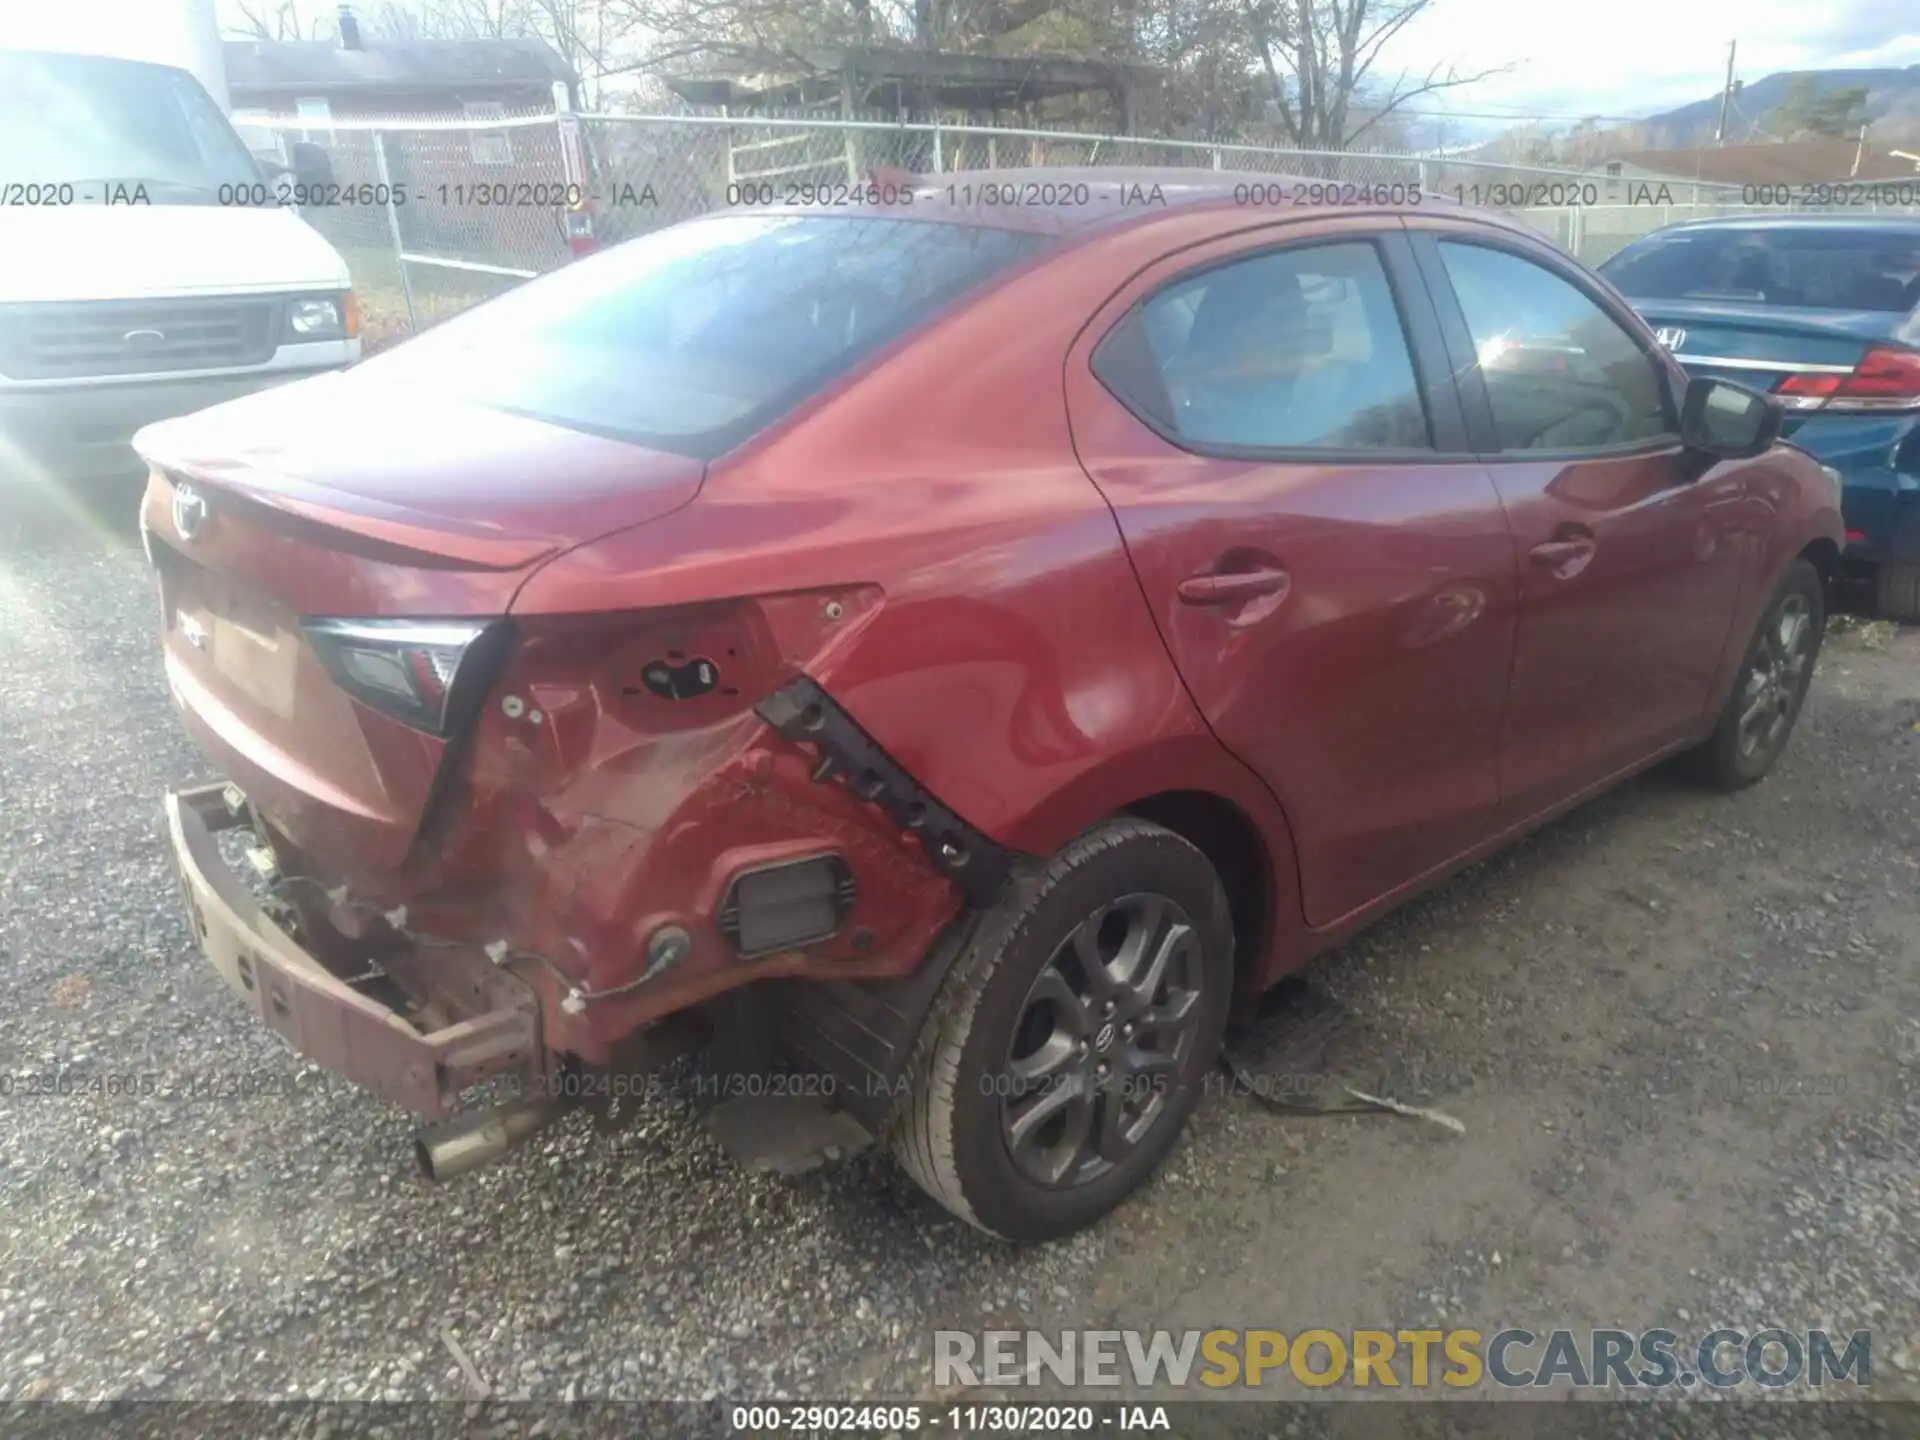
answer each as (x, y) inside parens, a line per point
(360, 76)
(1821, 161)
(319, 85)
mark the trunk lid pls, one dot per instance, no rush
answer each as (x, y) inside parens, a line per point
(336, 498)
(352, 463)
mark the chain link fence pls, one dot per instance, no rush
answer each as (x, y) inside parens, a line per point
(435, 215)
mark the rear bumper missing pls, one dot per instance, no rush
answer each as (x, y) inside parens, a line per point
(323, 1016)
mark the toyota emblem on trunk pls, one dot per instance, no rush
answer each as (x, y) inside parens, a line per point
(1671, 336)
(189, 511)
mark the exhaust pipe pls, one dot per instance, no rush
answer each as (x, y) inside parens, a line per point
(454, 1148)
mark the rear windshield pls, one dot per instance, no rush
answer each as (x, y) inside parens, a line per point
(1819, 269)
(691, 338)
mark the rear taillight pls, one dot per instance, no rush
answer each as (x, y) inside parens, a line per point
(1885, 379)
(425, 673)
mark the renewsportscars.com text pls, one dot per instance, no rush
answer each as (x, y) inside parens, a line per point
(1512, 1358)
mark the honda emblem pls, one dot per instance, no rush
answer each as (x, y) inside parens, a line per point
(1672, 337)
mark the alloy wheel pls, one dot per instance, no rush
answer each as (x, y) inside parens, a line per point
(1776, 676)
(1101, 1039)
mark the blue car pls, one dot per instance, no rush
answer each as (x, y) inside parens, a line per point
(1824, 311)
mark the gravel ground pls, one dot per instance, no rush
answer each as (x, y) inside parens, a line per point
(1682, 1031)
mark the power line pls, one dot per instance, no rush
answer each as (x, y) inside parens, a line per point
(1726, 97)
(1519, 117)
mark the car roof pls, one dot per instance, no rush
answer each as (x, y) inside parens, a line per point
(1895, 224)
(1064, 200)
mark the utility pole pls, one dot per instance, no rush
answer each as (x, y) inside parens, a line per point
(1726, 98)
(1859, 152)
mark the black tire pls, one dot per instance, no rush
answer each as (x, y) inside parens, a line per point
(1771, 685)
(1896, 592)
(1002, 1015)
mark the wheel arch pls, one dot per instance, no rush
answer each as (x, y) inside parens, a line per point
(1234, 846)
(1194, 787)
(1824, 555)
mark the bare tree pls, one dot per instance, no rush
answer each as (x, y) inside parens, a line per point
(766, 33)
(450, 19)
(595, 40)
(271, 20)
(593, 37)
(1300, 72)
(1307, 71)
(1319, 56)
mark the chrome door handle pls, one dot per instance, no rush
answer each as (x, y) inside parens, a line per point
(1231, 589)
(1552, 554)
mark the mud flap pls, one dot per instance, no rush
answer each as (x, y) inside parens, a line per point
(841, 1051)
(860, 1036)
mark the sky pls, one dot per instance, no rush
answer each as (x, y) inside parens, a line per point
(136, 29)
(1628, 58)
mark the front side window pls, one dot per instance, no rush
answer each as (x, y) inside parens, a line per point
(1561, 373)
(1293, 349)
(689, 339)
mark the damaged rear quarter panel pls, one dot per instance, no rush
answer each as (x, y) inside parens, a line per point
(592, 811)
(991, 636)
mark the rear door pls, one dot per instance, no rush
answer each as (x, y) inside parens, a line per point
(1270, 418)
(1631, 552)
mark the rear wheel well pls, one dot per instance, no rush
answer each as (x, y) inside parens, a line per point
(1221, 831)
(1824, 555)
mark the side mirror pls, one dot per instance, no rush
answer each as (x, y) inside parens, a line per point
(1728, 421)
(312, 167)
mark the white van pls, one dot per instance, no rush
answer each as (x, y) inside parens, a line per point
(140, 277)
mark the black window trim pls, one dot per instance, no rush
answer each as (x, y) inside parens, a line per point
(1475, 404)
(1420, 329)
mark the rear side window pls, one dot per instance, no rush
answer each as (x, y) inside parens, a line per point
(1837, 269)
(691, 338)
(1561, 373)
(1293, 349)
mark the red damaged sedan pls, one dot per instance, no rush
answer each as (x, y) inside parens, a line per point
(944, 658)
